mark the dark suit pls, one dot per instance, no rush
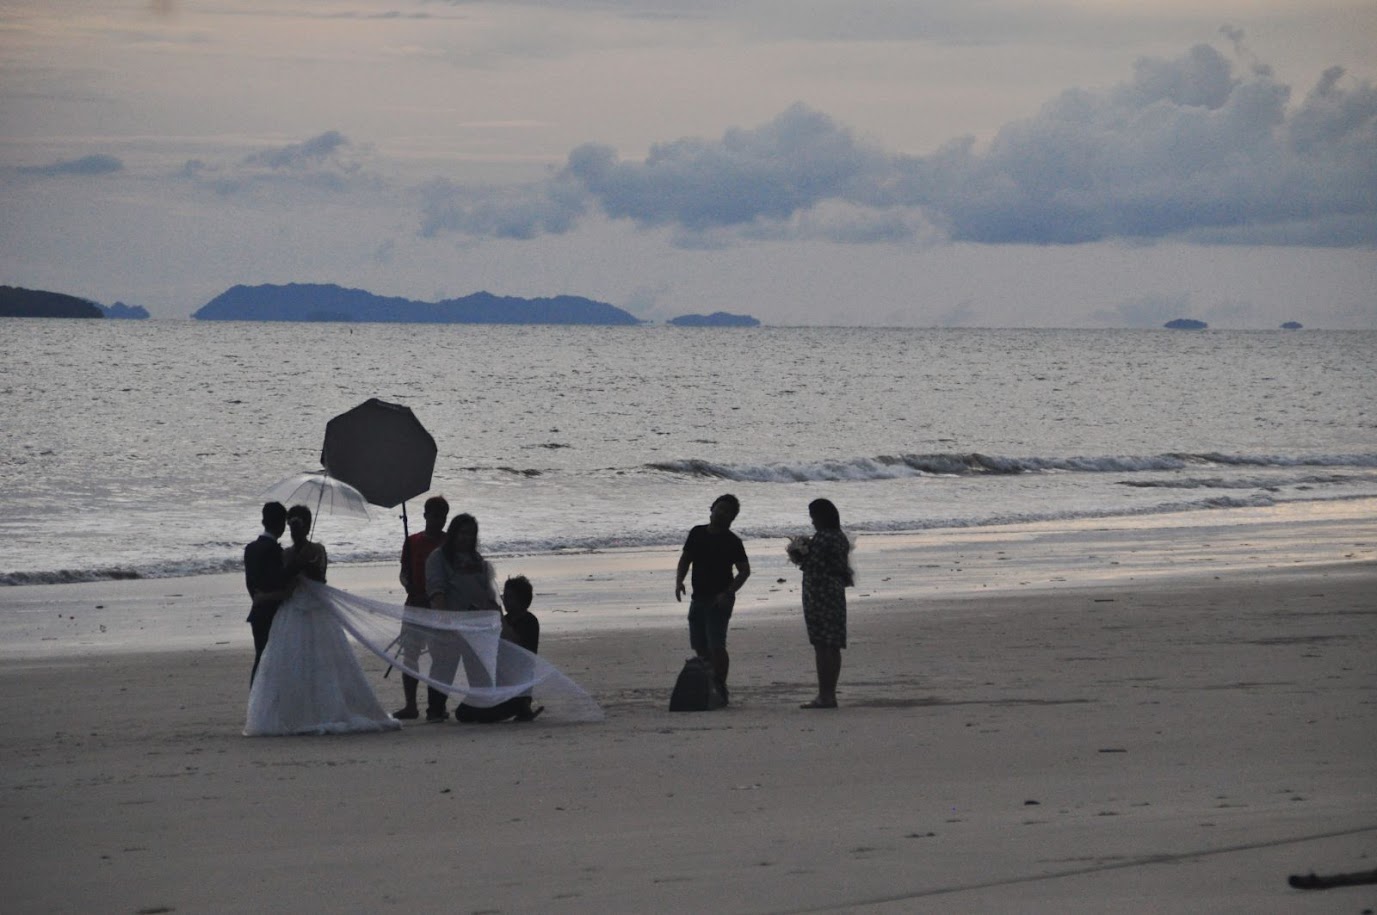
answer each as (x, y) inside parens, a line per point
(263, 571)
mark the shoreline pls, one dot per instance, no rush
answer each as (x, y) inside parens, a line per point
(632, 588)
(1185, 517)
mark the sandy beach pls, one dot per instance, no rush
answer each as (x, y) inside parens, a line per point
(1127, 715)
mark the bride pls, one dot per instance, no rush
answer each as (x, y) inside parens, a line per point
(309, 681)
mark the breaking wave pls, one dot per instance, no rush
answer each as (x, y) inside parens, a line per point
(642, 540)
(891, 467)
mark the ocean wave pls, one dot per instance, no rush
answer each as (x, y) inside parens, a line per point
(69, 576)
(891, 467)
(643, 540)
(1268, 483)
(171, 569)
(504, 469)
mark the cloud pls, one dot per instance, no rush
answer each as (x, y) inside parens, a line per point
(802, 175)
(551, 207)
(327, 162)
(796, 161)
(1188, 148)
(843, 222)
(87, 165)
(311, 153)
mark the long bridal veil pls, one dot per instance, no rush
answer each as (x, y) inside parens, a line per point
(493, 669)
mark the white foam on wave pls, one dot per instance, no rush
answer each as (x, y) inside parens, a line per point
(591, 544)
(887, 467)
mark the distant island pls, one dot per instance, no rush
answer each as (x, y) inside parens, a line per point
(1186, 324)
(17, 302)
(716, 319)
(1292, 325)
(123, 312)
(328, 302)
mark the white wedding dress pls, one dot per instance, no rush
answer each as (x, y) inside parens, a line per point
(309, 681)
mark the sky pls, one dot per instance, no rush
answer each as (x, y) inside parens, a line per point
(988, 163)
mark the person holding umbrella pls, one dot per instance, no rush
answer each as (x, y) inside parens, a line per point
(309, 681)
(416, 549)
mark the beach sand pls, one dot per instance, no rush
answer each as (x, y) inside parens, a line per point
(1121, 716)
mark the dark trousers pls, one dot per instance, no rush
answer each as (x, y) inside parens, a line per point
(261, 625)
(512, 708)
(435, 700)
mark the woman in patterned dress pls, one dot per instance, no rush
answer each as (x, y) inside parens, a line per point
(825, 561)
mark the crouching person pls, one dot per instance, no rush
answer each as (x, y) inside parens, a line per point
(520, 627)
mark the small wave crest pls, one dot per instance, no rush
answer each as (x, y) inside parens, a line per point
(642, 539)
(505, 470)
(1269, 484)
(890, 467)
(175, 569)
(68, 576)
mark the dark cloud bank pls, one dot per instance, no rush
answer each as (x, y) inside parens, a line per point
(1188, 148)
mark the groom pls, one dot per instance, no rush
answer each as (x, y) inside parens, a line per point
(266, 577)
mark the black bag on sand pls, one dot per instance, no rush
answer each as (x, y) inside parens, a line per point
(696, 689)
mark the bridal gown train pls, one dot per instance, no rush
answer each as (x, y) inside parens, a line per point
(309, 681)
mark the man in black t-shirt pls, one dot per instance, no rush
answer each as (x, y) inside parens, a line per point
(713, 551)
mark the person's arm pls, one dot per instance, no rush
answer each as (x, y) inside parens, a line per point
(405, 575)
(435, 580)
(818, 555)
(253, 570)
(826, 556)
(681, 573)
(490, 581)
(743, 572)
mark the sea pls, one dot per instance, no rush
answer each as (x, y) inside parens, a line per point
(141, 449)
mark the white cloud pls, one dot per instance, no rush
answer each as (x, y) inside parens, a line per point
(1187, 148)
(796, 161)
(521, 212)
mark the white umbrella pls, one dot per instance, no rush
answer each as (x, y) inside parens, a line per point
(319, 492)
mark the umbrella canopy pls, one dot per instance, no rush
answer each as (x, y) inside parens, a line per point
(382, 450)
(320, 493)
